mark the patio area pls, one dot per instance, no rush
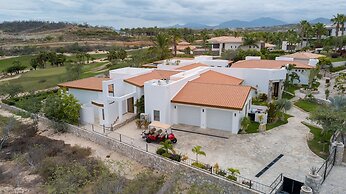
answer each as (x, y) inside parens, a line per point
(249, 153)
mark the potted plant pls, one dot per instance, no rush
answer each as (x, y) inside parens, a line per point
(234, 172)
(313, 180)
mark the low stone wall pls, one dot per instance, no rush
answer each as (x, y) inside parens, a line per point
(189, 174)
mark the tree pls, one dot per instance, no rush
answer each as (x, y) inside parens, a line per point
(320, 30)
(304, 30)
(332, 117)
(175, 35)
(161, 46)
(16, 67)
(205, 37)
(34, 63)
(249, 40)
(167, 146)
(293, 76)
(62, 107)
(337, 21)
(292, 38)
(80, 57)
(121, 54)
(73, 71)
(198, 151)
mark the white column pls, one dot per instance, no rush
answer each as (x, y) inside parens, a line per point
(120, 109)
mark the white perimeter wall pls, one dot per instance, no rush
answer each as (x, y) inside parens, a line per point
(85, 96)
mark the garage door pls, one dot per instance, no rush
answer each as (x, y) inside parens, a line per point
(189, 115)
(219, 119)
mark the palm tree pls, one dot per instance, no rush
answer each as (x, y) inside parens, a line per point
(197, 150)
(342, 20)
(161, 45)
(304, 30)
(167, 146)
(175, 35)
(249, 40)
(338, 102)
(338, 21)
(320, 29)
(292, 38)
(205, 37)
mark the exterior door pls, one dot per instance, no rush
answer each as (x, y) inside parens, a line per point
(130, 105)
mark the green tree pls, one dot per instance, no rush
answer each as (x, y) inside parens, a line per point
(74, 71)
(292, 39)
(250, 40)
(175, 36)
(245, 122)
(167, 146)
(62, 107)
(338, 21)
(161, 46)
(198, 151)
(34, 63)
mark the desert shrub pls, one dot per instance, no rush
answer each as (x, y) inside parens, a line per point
(109, 183)
(144, 183)
(160, 151)
(232, 178)
(68, 179)
(77, 153)
(204, 189)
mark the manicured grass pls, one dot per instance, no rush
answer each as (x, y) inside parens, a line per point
(25, 60)
(49, 77)
(253, 127)
(306, 105)
(279, 122)
(320, 142)
(336, 69)
(292, 88)
(337, 59)
(287, 96)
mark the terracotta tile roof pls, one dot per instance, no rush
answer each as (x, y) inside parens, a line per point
(156, 74)
(304, 55)
(226, 39)
(192, 66)
(213, 77)
(184, 43)
(213, 95)
(269, 64)
(91, 83)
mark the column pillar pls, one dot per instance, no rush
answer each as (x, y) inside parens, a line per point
(339, 155)
(313, 181)
(120, 110)
(203, 118)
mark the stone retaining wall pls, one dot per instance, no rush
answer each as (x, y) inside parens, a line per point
(189, 174)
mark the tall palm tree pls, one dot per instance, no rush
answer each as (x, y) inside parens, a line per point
(304, 30)
(175, 36)
(161, 45)
(205, 37)
(320, 29)
(342, 20)
(338, 21)
(198, 151)
(292, 38)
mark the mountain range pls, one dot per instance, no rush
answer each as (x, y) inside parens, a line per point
(260, 22)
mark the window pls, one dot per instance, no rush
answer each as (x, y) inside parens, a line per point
(156, 115)
(231, 46)
(216, 46)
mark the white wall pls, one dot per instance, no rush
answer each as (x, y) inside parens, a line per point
(303, 76)
(219, 119)
(189, 115)
(257, 78)
(85, 96)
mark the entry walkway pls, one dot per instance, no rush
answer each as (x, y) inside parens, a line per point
(197, 130)
(335, 182)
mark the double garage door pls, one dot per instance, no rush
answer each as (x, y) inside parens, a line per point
(215, 118)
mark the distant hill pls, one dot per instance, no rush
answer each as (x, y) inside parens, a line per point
(260, 22)
(265, 21)
(192, 26)
(320, 20)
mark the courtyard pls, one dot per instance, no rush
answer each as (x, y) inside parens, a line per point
(249, 153)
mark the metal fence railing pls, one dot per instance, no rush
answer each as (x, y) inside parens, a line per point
(151, 148)
(327, 165)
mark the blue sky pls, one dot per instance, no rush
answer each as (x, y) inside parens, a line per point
(138, 13)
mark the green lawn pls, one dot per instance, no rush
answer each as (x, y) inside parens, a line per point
(287, 96)
(306, 105)
(253, 127)
(279, 122)
(25, 60)
(5, 63)
(320, 142)
(49, 77)
(336, 69)
(337, 59)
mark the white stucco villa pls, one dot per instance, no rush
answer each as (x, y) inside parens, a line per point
(301, 69)
(223, 43)
(192, 93)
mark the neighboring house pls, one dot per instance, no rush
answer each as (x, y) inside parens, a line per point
(332, 30)
(175, 63)
(269, 46)
(192, 94)
(303, 57)
(301, 69)
(183, 46)
(286, 46)
(223, 43)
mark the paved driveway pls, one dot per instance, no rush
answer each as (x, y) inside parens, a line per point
(250, 153)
